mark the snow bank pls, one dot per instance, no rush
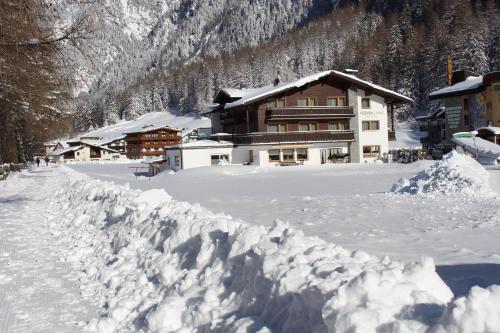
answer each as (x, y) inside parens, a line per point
(158, 265)
(479, 312)
(456, 173)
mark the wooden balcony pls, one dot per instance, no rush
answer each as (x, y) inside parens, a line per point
(292, 137)
(317, 112)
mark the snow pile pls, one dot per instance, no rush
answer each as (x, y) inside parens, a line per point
(456, 173)
(158, 265)
(479, 312)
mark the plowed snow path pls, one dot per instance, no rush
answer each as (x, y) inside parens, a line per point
(38, 291)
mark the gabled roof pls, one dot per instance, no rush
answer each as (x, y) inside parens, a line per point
(249, 96)
(471, 85)
(65, 150)
(433, 115)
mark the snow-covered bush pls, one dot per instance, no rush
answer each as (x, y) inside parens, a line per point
(456, 173)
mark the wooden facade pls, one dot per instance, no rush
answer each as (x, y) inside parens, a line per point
(283, 117)
(321, 105)
(151, 143)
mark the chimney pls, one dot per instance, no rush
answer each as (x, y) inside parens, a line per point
(351, 71)
(278, 77)
(461, 75)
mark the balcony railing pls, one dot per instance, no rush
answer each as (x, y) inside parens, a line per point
(316, 112)
(292, 137)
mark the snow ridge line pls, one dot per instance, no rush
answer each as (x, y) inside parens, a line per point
(158, 265)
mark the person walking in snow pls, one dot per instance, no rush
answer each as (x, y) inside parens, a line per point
(47, 161)
(37, 161)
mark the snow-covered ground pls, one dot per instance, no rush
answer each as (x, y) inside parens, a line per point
(344, 204)
(407, 136)
(39, 292)
(152, 263)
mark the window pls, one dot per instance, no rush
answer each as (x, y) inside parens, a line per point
(276, 103)
(274, 155)
(288, 155)
(370, 151)
(301, 101)
(275, 128)
(308, 127)
(466, 103)
(301, 154)
(365, 102)
(163, 132)
(466, 120)
(306, 101)
(371, 125)
(338, 125)
(217, 160)
(172, 142)
(336, 101)
(177, 160)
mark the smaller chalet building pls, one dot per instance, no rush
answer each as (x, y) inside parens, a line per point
(150, 142)
(471, 102)
(327, 117)
(76, 151)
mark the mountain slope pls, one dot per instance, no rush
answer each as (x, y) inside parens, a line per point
(194, 48)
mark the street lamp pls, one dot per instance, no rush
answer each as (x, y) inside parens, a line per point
(474, 133)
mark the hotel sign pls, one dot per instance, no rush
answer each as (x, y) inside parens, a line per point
(371, 113)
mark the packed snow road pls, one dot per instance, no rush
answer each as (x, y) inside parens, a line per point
(38, 291)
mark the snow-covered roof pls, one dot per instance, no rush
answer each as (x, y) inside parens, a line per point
(494, 130)
(434, 114)
(65, 150)
(154, 120)
(247, 96)
(201, 144)
(471, 83)
(484, 148)
(63, 144)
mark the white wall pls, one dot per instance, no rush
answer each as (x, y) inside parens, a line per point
(82, 154)
(378, 112)
(261, 156)
(195, 158)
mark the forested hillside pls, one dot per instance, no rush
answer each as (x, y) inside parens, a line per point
(193, 48)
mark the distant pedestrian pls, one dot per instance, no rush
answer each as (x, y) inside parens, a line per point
(37, 161)
(47, 161)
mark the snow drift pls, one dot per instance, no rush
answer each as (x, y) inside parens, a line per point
(158, 265)
(456, 173)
